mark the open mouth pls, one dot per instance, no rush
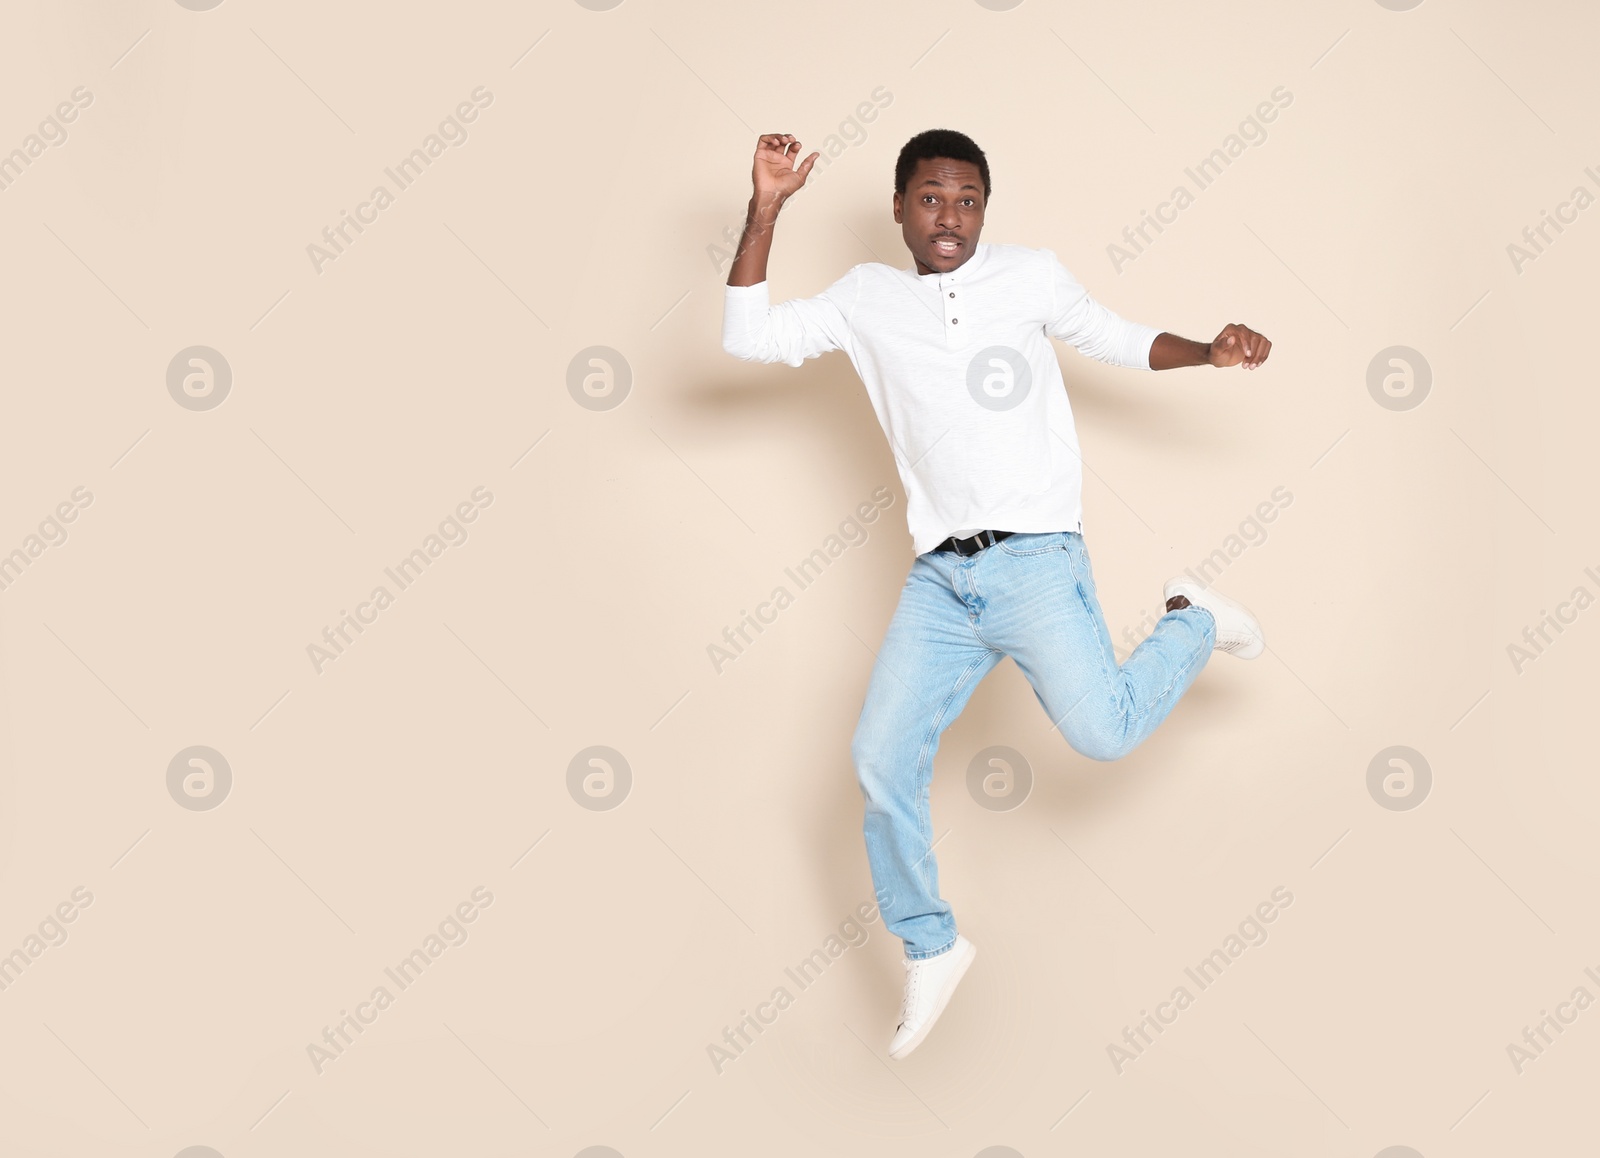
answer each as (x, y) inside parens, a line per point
(946, 245)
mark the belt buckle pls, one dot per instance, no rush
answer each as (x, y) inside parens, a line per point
(978, 538)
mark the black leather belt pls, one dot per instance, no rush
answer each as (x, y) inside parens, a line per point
(975, 544)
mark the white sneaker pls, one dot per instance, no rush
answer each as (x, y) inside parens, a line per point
(929, 985)
(1237, 631)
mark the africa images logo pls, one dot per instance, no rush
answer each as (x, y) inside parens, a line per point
(998, 378)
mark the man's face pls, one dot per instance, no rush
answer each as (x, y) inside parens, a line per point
(943, 201)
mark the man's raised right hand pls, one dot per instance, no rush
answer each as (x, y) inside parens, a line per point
(774, 172)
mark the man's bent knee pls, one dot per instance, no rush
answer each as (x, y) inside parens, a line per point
(1104, 745)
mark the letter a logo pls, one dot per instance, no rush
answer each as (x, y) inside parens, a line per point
(1399, 378)
(998, 378)
(598, 378)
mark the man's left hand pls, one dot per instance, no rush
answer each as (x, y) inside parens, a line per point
(1239, 345)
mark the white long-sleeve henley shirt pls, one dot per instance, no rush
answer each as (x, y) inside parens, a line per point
(961, 377)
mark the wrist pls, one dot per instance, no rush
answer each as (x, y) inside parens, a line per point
(765, 206)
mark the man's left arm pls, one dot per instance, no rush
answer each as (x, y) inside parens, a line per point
(1096, 331)
(1236, 346)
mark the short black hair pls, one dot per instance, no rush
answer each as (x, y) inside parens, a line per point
(925, 146)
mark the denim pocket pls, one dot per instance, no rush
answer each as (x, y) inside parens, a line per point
(1033, 543)
(1078, 556)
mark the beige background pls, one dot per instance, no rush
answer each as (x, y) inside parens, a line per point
(431, 358)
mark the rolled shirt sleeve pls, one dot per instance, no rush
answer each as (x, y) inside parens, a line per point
(757, 331)
(1098, 333)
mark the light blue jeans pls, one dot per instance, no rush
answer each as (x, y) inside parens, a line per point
(1031, 597)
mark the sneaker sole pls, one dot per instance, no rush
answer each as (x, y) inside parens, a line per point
(1250, 650)
(1257, 645)
(945, 994)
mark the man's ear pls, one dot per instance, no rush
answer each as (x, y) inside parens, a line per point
(897, 220)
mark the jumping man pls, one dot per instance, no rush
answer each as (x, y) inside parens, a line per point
(954, 357)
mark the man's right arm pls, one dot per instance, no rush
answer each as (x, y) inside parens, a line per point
(752, 327)
(774, 180)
